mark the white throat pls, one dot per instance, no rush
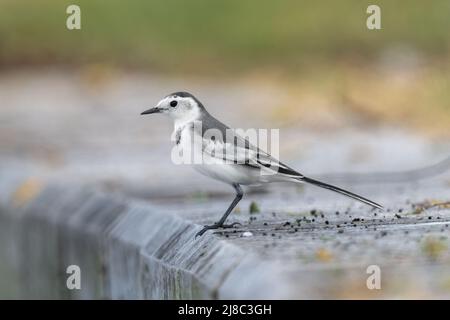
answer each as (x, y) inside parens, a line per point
(188, 117)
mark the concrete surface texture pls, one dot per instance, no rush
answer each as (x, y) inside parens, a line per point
(85, 180)
(125, 250)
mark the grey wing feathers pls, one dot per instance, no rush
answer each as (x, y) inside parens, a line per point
(241, 151)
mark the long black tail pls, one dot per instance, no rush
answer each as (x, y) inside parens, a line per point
(341, 191)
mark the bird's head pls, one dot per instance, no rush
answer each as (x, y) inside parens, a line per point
(180, 106)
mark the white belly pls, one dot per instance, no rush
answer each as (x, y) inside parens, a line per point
(230, 173)
(216, 168)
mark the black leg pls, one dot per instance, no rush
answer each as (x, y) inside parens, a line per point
(220, 224)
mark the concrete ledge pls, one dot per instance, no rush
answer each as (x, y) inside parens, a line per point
(125, 249)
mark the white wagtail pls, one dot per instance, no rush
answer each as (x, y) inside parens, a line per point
(228, 166)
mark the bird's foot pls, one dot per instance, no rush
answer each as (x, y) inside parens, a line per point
(216, 226)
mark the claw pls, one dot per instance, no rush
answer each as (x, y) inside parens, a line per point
(232, 225)
(216, 226)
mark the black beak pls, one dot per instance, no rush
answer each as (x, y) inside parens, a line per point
(152, 110)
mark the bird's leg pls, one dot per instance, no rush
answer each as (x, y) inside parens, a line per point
(221, 223)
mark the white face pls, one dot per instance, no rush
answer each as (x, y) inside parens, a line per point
(179, 108)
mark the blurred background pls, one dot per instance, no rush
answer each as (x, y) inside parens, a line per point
(319, 57)
(345, 98)
(308, 67)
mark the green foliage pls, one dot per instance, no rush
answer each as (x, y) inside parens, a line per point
(202, 35)
(254, 208)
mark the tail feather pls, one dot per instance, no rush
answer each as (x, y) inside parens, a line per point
(341, 191)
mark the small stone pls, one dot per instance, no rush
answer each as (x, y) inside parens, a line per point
(247, 234)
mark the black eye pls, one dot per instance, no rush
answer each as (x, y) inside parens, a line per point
(173, 103)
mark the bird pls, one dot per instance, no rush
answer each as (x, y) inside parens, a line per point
(225, 155)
